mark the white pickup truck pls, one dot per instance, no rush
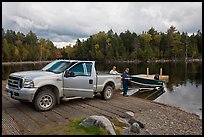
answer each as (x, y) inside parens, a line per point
(58, 80)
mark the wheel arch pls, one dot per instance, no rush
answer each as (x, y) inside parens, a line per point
(110, 83)
(53, 88)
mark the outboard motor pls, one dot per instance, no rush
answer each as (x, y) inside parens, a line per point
(156, 77)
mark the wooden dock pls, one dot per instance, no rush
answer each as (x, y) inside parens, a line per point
(21, 119)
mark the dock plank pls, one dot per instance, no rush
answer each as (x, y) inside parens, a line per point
(100, 111)
(38, 117)
(72, 109)
(104, 107)
(54, 117)
(24, 122)
(9, 126)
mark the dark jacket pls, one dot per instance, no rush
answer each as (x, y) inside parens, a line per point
(125, 75)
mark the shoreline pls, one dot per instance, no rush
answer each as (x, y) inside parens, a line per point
(110, 61)
(155, 61)
(25, 62)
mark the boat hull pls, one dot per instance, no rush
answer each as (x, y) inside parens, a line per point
(145, 82)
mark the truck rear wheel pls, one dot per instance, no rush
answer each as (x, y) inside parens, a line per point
(45, 100)
(107, 93)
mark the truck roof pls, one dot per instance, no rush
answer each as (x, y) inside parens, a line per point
(74, 60)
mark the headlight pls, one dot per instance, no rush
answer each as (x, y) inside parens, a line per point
(28, 83)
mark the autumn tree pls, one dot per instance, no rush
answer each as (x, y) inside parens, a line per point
(104, 46)
(5, 51)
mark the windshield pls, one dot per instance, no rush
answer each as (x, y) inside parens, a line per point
(57, 66)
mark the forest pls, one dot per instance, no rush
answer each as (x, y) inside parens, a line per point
(105, 46)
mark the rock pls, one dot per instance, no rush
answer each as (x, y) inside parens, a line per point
(141, 124)
(132, 120)
(122, 120)
(88, 122)
(99, 121)
(135, 128)
(129, 115)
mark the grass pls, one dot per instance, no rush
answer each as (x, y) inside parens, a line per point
(72, 128)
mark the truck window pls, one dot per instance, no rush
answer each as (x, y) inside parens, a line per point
(89, 67)
(82, 69)
(78, 70)
(58, 67)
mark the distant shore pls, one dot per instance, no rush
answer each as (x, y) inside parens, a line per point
(108, 61)
(25, 62)
(155, 61)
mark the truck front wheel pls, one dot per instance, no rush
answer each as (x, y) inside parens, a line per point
(45, 100)
(107, 93)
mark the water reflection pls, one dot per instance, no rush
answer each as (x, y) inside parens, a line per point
(7, 69)
(187, 97)
(149, 94)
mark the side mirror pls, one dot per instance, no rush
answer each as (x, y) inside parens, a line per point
(72, 74)
(69, 74)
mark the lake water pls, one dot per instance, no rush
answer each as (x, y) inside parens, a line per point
(184, 89)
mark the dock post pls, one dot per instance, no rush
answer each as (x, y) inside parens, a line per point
(160, 71)
(147, 72)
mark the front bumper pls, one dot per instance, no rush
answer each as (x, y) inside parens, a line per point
(26, 94)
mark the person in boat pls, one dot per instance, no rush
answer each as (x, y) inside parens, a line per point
(114, 71)
(125, 81)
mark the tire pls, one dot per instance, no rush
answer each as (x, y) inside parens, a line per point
(107, 93)
(45, 100)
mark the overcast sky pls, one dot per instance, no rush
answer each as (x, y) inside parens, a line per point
(64, 22)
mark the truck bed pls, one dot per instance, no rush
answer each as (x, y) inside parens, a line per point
(104, 77)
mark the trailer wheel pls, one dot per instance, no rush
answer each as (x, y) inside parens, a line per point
(107, 93)
(45, 100)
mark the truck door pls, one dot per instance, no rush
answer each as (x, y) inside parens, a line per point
(79, 81)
